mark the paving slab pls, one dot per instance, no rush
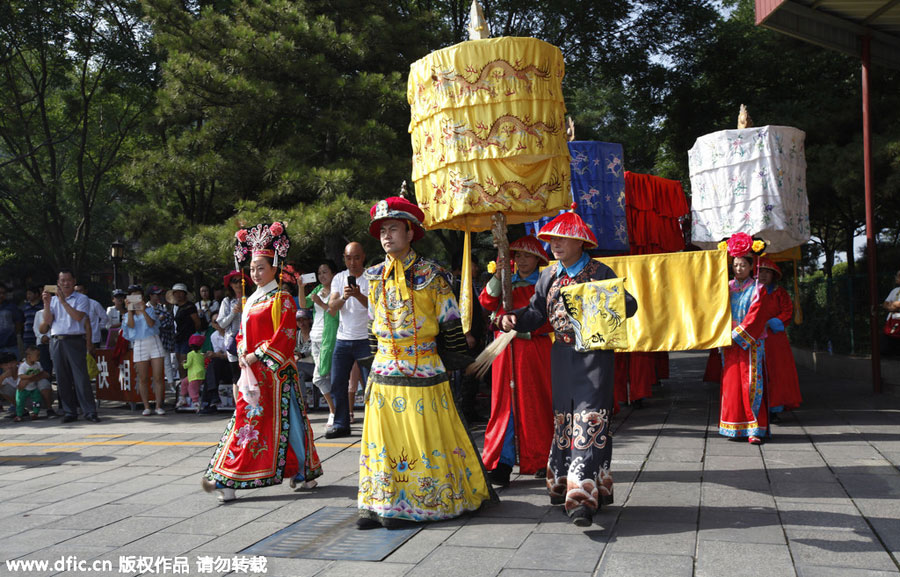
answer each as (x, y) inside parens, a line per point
(578, 553)
(656, 538)
(447, 561)
(747, 526)
(855, 549)
(717, 558)
(627, 564)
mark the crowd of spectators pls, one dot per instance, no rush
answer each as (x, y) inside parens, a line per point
(58, 339)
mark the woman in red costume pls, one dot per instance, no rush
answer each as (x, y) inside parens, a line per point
(521, 397)
(269, 436)
(783, 387)
(744, 411)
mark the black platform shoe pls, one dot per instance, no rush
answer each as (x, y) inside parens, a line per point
(500, 475)
(581, 516)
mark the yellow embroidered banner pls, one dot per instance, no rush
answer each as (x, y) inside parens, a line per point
(683, 299)
(597, 311)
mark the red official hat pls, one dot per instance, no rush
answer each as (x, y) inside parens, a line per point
(766, 262)
(568, 225)
(396, 207)
(530, 245)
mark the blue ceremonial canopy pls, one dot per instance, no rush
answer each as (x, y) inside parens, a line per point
(598, 186)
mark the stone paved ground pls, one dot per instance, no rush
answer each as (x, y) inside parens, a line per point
(819, 500)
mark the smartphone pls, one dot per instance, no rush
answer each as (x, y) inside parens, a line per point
(132, 300)
(351, 281)
(50, 288)
(308, 278)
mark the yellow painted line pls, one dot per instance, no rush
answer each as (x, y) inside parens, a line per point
(149, 443)
(25, 459)
(117, 443)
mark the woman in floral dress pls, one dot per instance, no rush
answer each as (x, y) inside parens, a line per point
(744, 412)
(269, 437)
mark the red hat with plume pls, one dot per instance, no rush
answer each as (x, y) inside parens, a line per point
(568, 225)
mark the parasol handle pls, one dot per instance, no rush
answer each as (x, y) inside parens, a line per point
(498, 229)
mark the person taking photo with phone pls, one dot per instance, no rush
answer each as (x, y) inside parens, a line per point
(349, 297)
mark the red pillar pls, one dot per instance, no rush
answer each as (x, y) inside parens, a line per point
(870, 223)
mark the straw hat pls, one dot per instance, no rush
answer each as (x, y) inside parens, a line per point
(170, 294)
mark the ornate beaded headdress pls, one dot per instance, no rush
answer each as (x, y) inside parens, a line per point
(269, 240)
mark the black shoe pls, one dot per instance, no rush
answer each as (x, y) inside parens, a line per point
(337, 432)
(93, 418)
(638, 404)
(69, 418)
(581, 516)
(364, 523)
(51, 414)
(500, 475)
(541, 474)
(557, 499)
(210, 410)
(774, 418)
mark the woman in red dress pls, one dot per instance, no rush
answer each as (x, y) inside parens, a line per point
(521, 422)
(269, 437)
(782, 385)
(744, 411)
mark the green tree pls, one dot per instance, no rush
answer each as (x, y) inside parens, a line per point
(296, 106)
(76, 78)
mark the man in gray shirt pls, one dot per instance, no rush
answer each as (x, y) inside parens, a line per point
(64, 316)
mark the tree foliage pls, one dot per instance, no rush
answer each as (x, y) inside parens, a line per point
(299, 107)
(76, 80)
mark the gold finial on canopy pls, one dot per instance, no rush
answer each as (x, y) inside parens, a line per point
(744, 120)
(478, 26)
(403, 189)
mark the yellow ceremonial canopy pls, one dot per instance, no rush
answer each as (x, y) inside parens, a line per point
(488, 133)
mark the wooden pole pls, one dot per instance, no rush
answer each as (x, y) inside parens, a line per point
(498, 229)
(874, 311)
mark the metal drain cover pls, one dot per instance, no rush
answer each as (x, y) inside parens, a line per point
(331, 533)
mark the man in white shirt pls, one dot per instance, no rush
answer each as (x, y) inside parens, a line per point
(98, 316)
(349, 296)
(64, 315)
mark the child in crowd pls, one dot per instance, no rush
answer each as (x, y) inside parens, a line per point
(195, 363)
(32, 380)
(8, 378)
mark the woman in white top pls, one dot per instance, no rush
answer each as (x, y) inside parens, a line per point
(142, 330)
(230, 315)
(323, 333)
